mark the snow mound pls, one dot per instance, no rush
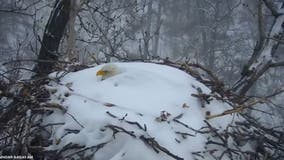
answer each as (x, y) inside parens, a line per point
(147, 111)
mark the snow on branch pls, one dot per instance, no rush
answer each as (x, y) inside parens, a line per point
(263, 57)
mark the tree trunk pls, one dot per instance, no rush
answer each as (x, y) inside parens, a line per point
(71, 40)
(157, 31)
(147, 33)
(264, 54)
(53, 33)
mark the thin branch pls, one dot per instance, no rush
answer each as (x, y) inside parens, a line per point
(97, 147)
(75, 120)
(15, 12)
(271, 7)
(34, 60)
(278, 64)
(238, 109)
(276, 39)
(156, 146)
(277, 92)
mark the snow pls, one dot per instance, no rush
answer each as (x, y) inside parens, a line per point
(266, 53)
(145, 99)
(277, 27)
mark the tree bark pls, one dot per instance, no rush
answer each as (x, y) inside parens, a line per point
(157, 31)
(71, 40)
(147, 33)
(53, 33)
(264, 54)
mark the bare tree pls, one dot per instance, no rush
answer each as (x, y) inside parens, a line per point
(157, 29)
(71, 40)
(53, 33)
(147, 31)
(264, 54)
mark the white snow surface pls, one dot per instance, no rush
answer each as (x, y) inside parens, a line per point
(139, 94)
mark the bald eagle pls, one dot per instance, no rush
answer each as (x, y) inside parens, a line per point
(150, 95)
(108, 70)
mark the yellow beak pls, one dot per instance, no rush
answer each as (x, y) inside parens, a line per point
(101, 73)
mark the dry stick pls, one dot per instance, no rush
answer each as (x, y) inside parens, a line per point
(75, 120)
(277, 92)
(235, 110)
(138, 125)
(149, 141)
(203, 98)
(110, 114)
(214, 130)
(34, 60)
(68, 147)
(117, 129)
(156, 146)
(176, 120)
(98, 147)
(129, 122)
(184, 134)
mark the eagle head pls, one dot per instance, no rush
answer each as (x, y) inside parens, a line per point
(108, 70)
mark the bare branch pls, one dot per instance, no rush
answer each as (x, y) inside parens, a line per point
(276, 39)
(15, 12)
(156, 146)
(238, 109)
(278, 64)
(271, 7)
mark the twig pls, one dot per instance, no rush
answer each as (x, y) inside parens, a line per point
(75, 120)
(238, 109)
(117, 129)
(98, 147)
(156, 146)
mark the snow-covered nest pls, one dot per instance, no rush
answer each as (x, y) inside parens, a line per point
(145, 112)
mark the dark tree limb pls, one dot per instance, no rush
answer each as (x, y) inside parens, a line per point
(157, 147)
(264, 52)
(277, 64)
(272, 8)
(53, 33)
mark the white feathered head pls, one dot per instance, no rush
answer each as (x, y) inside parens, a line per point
(108, 70)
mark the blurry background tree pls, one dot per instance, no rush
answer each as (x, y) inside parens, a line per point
(228, 36)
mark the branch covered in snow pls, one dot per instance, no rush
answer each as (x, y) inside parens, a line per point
(264, 55)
